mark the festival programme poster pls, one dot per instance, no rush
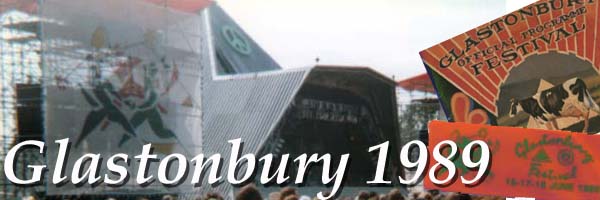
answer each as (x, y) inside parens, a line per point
(537, 67)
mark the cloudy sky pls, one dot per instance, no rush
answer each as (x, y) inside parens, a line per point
(386, 35)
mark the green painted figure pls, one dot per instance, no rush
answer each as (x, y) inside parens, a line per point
(104, 109)
(149, 110)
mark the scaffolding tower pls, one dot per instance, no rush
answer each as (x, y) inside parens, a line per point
(20, 94)
(417, 106)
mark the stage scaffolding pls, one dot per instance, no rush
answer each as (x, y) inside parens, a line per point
(22, 78)
(417, 106)
(20, 81)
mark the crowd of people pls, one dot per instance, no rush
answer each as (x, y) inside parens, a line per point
(251, 192)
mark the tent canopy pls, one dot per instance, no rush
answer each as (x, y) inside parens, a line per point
(420, 83)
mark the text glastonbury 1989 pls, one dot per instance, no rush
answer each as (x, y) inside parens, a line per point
(444, 154)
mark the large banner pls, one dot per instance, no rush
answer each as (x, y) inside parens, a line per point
(121, 74)
(524, 162)
(536, 67)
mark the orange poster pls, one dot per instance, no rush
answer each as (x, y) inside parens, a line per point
(536, 67)
(524, 162)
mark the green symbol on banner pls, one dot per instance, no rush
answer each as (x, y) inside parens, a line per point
(541, 156)
(236, 40)
(566, 157)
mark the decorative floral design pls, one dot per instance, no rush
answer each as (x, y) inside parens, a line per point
(463, 111)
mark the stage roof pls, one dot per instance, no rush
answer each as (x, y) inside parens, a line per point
(30, 6)
(183, 5)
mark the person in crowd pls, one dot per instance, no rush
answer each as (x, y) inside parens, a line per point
(249, 192)
(213, 196)
(458, 196)
(465, 196)
(452, 196)
(287, 191)
(304, 197)
(394, 194)
(292, 197)
(274, 195)
(29, 198)
(362, 195)
(421, 195)
(437, 195)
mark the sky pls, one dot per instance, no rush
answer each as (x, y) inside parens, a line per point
(386, 35)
